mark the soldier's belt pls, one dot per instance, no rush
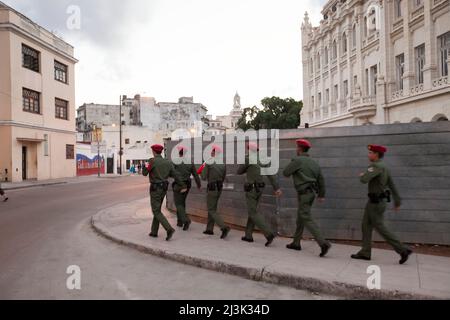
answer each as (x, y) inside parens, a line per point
(258, 186)
(215, 186)
(188, 184)
(164, 185)
(379, 197)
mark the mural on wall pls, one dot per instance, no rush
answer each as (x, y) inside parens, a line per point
(87, 166)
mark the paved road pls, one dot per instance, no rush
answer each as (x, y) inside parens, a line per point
(45, 230)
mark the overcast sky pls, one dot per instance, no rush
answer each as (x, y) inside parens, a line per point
(166, 49)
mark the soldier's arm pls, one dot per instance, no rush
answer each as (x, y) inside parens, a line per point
(145, 171)
(292, 167)
(205, 173)
(274, 182)
(242, 169)
(176, 175)
(321, 184)
(394, 190)
(196, 176)
(371, 173)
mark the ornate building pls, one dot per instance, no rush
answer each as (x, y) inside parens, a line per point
(377, 62)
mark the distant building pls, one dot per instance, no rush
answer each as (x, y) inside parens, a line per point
(228, 124)
(37, 101)
(377, 62)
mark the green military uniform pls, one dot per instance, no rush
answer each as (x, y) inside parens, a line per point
(215, 175)
(160, 170)
(254, 189)
(308, 178)
(185, 172)
(379, 180)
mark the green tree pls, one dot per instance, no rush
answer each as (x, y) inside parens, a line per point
(276, 113)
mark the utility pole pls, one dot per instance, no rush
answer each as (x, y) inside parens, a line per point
(120, 135)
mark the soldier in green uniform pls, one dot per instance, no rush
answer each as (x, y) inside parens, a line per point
(254, 188)
(308, 180)
(159, 170)
(215, 175)
(381, 186)
(185, 170)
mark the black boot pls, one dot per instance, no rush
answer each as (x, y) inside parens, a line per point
(405, 256)
(180, 224)
(186, 226)
(325, 248)
(270, 240)
(153, 235)
(225, 232)
(170, 234)
(293, 246)
(208, 233)
(248, 239)
(359, 257)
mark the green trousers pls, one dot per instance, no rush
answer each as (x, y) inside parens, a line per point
(304, 219)
(255, 219)
(374, 219)
(212, 201)
(180, 203)
(156, 201)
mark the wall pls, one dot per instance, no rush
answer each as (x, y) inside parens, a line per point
(419, 160)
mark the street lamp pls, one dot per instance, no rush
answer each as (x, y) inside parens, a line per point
(122, 98)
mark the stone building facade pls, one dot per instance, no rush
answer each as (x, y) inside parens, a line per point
(377, 62)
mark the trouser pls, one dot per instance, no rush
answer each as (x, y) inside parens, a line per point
(374, 219)
(213, 217)
(2, 193)
(304, 219)
(180, 204)
(254, 218)
(156, 200)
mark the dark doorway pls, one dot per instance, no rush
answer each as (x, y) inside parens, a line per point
(110, 166)
(24, 163)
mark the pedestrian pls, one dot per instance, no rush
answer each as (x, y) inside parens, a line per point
(381, 187)
(308, 181)
(215, 174)
(159, 170)
(185, 169)
(3, 194)
(254, 188)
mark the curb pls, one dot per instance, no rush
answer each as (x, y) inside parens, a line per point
(344, 290)
(33, 186)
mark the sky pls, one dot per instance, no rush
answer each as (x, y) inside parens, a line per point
(166, 49)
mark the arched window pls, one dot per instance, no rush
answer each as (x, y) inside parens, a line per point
(354, 36)
(344, 43)
(334, 53)
(326, 56)
(318, 64)
(416, 120)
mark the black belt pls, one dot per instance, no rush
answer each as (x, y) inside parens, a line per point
(215, 186)
(379, 197)
(164, 185)
(258, 186)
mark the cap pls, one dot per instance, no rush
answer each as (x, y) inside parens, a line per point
(377, 148)
(157, 148)
(304, 143)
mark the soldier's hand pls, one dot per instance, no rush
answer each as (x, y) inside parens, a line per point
(184, 190)
(278, 193)
(321, 200)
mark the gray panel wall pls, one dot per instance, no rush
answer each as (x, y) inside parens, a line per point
(419, 160)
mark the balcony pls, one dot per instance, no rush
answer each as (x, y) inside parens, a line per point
(365, 107)
(440, 82)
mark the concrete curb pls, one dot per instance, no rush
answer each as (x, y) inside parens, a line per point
(344, 290)
(6, 188)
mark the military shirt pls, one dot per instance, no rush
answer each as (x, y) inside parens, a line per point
(379, 179)
(160, 170)
(253, 171)
(305, 171)
(186, 170)
(214, 173)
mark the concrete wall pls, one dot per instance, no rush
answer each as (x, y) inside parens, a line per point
(419, 160)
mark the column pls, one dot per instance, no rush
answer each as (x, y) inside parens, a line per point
(430, 70)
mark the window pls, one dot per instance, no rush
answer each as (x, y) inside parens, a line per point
(311, 66)
(320, 99)
(70, 152)
(398, 8)
(345, 88)
(318, 61)
(326, 56)
(30, 58)
(335, 93)
(420, 63)
(354, 37)
(312, 102)
(365, 27)
(344, 43)
(444, 53)
(367, 82)
(334, 53)
(327, 95)
(374, 77)
(400, 67)
(417, 3)
(60, 72)
(355, 81)
(31, 101)
(61, 108)
(127, 141)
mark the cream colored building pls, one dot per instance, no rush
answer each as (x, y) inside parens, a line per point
(37, 101)
(377, 62)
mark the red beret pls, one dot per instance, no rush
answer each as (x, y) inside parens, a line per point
(216, 148)
(304, 143)
(157, 148)
(376, 148)
(252, 146)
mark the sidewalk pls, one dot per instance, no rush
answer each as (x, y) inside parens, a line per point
(43, 183)
(421, 278)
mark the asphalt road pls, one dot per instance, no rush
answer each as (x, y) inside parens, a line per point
(45, 230)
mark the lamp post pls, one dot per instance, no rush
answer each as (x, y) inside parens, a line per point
(120, 134)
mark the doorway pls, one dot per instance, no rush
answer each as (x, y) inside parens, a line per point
(24, 163)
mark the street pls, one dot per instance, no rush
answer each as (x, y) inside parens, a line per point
(45, 230)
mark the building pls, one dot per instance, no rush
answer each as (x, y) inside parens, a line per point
(228, 124)
(215, 128)
(377, 62)
(37, 99)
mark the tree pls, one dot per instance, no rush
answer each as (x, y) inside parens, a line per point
(276, 113)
